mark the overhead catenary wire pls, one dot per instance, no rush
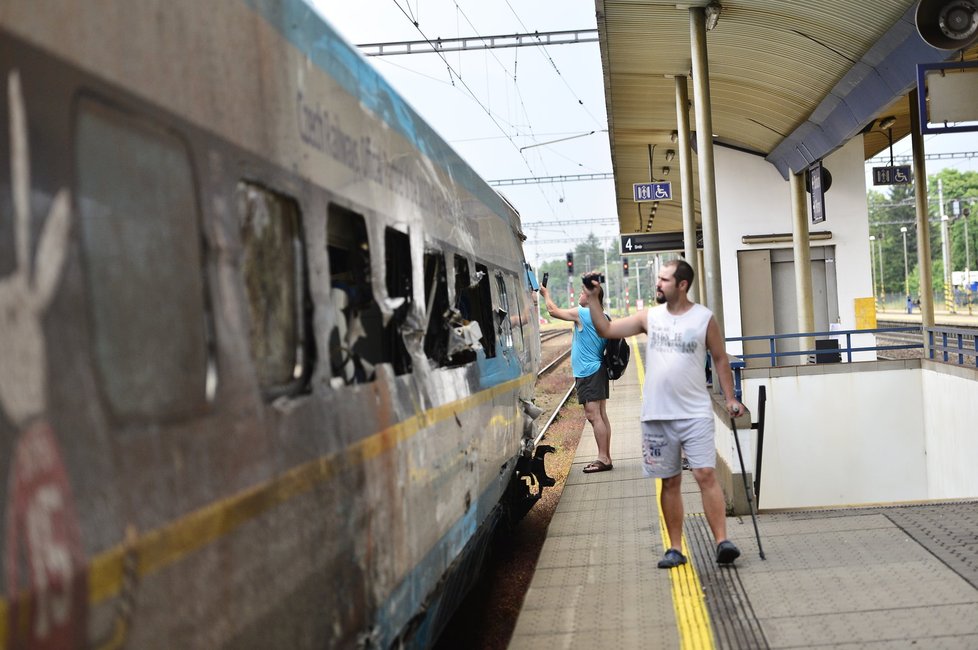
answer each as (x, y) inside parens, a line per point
(472, 94)
(506, 126)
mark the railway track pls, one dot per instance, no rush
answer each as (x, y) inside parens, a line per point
(914, 338)
(550, 335)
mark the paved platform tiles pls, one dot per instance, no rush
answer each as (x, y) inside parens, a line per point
(888, 577)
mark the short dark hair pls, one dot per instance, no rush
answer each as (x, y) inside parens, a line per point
(683, 272)
(600, 288)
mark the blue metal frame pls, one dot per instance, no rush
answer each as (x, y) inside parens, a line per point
(947, 350)
(738, 364)
(922, 69)
(848, 349)
(937, 338)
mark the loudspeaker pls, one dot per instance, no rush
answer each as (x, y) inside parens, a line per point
(948, 24)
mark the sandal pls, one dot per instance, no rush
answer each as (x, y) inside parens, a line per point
(672, 559)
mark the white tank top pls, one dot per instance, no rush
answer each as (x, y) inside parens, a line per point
(675, 359)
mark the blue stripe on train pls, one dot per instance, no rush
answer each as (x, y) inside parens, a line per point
(308, 32)
(500, 368)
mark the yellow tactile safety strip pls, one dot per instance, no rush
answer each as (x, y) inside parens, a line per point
(692, 618)
(163, 546)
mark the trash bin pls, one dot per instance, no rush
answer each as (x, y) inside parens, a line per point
(827, 357)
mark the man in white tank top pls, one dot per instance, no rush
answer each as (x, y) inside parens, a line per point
(677, 411)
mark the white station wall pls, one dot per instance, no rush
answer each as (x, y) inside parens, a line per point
(845, 438)
(753, 199)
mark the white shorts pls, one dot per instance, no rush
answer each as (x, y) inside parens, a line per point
(663, 442)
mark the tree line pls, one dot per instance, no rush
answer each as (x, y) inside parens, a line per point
(890, 211)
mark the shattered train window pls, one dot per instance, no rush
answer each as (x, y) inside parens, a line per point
(360, 340)
(517, 314)
(355, 343)
(461, 334)
(436, 306)
(480, 301)
(502, 314)
(274, 270)
(398, 262)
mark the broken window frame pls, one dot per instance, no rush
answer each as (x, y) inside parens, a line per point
(397, 267)
(276, 268)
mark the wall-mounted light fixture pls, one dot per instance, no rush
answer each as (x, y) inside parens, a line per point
(665, 171)
(674, 136)
(887, 122)
(782, 237)
(712, 15)
(670, 154)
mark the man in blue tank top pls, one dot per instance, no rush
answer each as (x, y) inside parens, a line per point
(590, 377)
(677, 410)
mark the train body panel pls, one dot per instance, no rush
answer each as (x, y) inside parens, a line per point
(265, 337)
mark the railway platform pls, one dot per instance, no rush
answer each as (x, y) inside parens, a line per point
(888, 576)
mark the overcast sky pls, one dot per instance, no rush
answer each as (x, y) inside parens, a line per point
(510, 98)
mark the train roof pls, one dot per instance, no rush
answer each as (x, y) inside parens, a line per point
(309, 32)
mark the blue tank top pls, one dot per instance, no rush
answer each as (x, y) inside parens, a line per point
(587, 347)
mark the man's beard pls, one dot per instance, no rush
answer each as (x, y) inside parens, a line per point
(660, 298)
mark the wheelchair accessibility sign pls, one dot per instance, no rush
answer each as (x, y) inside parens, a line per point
(893, 175)
(643, 192)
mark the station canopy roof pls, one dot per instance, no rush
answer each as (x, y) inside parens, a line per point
(789, 81)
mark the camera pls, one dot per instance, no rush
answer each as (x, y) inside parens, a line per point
(589, 278)
(543, 282)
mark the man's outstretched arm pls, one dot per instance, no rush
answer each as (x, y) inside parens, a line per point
(616, 329)
(554, 310)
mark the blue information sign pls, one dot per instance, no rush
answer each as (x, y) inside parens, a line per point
(652, 191)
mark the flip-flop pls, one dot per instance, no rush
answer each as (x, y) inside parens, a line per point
(597, 466)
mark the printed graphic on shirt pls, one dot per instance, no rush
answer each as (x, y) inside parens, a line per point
(666, 340)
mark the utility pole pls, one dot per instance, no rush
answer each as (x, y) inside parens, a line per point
(872, 264)
(906, 271)
(607, 276)
(967, 260)
(957, 212)
(879, 242)
(945, 251)
(638, 286)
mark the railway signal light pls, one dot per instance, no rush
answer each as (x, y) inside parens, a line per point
(624, 268)
(570, 263)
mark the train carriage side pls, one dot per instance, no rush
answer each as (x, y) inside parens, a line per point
(265, 337)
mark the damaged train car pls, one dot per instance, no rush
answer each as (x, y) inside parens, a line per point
(267, 344)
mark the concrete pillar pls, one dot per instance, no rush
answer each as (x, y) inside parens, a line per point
(803, 261)
(923, 230)
(686, 181)
(704, 150)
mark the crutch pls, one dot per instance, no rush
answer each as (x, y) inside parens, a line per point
(743, 475)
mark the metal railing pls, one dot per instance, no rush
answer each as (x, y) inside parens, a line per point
(772, 339)
(940, 350)
(821, 354)
(948, 344)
